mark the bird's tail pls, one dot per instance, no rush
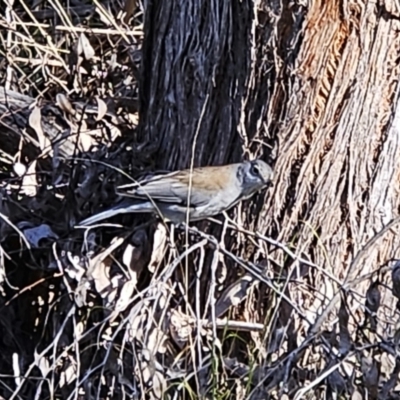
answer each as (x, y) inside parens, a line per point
(124, 207)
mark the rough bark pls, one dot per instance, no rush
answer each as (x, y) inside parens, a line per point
(199, 74)
(319, 84)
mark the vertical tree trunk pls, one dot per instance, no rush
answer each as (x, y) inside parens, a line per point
(314, 86)
(199, 59)
(232, 78)
(338, 168)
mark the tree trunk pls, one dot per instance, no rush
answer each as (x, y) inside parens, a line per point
(198, 90)
(313, 87)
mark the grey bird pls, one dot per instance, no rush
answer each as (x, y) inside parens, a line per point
(198, 193)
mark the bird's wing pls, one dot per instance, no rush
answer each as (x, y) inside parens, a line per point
(166, 188)
(173, 187)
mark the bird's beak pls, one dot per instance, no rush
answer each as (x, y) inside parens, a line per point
(269, 184)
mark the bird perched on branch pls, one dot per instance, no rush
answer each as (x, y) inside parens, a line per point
(199, 193)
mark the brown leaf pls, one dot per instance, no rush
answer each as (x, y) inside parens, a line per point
(373, 297)
(29, 181)
(134, 256)
(125, 297)
(159, 385)
(156, 340)
(84, 47)
(101, 109)
(101, 277)
(344, 334)
(159, 245)
(357, 396)
(68, 375)
(337, 382)
(370, 371)
(391, 382)
(372, 303)
(180, 327)
(64, 103)
(233, 294)
(130, 8)
(98, 271)
(35, 122)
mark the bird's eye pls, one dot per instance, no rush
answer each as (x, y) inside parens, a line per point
(255, 170)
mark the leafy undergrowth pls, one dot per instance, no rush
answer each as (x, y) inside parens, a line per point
(133, 308)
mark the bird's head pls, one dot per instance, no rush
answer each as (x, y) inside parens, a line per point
(254, 175)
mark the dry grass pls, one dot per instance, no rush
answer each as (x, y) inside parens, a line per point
(133, 309)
